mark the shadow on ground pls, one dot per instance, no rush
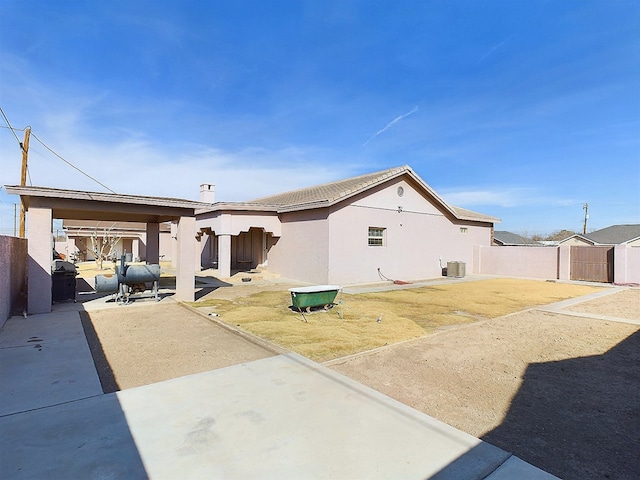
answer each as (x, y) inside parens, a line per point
(103, 368)
(563, 406)
(206, 285)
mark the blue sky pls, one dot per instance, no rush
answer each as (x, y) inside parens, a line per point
(524, 110)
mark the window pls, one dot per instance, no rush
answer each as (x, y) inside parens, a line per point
(464, 229)
(376, 236)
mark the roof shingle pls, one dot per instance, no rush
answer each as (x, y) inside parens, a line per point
(333, 192)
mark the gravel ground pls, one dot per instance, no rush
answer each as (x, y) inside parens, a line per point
(138, 345)
(559, 391)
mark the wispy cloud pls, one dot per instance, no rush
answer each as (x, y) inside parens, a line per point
(391, 124)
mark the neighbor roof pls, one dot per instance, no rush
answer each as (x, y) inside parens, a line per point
(615, 234)
(509, 238)
(329, 194)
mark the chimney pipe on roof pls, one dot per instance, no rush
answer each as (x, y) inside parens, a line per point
(208, 193)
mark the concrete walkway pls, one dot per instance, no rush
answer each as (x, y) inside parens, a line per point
(280, 417)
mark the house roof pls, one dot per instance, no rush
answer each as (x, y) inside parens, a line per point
(329, 194)
(509, 238)
(615, 234)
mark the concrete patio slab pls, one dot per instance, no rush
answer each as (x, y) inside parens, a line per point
(45, 360)
(281, 417)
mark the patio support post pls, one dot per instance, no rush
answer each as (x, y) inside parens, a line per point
(153, 243)
(224, 256)
(40, 256)
(197, 259)
(185, 267)
(135, 248)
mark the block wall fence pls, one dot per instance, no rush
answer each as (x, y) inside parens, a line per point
(13, 276)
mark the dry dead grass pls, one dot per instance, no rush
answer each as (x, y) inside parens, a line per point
(89, 270)
(352, 325)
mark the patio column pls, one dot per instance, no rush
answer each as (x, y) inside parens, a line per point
(153, 243)
(224, 256)
(185, 267)
(40, 256)
(197, 259)
(174, 244)
(135, 248)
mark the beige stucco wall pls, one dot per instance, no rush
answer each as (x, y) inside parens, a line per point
(513, 261)
(13, 265)
(332, 247)
(626, 264)
(420, 239)
(302, 252)
(233, 223)
(75, 244)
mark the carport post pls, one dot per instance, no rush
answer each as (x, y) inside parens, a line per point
(185, 266)
(153, 243)
(40, 250)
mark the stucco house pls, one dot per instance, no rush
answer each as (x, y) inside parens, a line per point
(613, 235)
(386, 224)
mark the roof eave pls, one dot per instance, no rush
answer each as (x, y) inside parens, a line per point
(236, 207)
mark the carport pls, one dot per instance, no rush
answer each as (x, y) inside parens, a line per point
(44, 204)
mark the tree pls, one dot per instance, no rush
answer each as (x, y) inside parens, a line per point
(560, 235)
(103, 246)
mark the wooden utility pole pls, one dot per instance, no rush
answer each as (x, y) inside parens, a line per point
(23, 177)
(585, 207)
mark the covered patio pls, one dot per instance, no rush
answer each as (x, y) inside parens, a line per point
(45, 204)
(236, 236)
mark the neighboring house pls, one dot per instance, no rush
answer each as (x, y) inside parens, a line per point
(387, 224)
(132, 238)
(613, 235)
(503, 238)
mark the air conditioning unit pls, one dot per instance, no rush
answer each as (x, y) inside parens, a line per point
(456, 269)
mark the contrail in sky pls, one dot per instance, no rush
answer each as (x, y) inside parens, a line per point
(390, 124)
(493, 49)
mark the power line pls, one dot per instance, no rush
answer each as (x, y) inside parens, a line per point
(69, 163)
(51, 150)
(12, 129)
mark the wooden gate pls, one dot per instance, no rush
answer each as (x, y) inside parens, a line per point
(593, 264)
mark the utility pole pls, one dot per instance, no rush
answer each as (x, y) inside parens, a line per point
(23, 177)
(585, 207)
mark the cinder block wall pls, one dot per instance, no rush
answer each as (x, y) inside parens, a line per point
(13, 274)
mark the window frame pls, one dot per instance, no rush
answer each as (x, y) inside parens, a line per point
(375, 240)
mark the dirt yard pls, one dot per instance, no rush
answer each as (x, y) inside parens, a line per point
(558, 390)
(561, 392)
(147, 343)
